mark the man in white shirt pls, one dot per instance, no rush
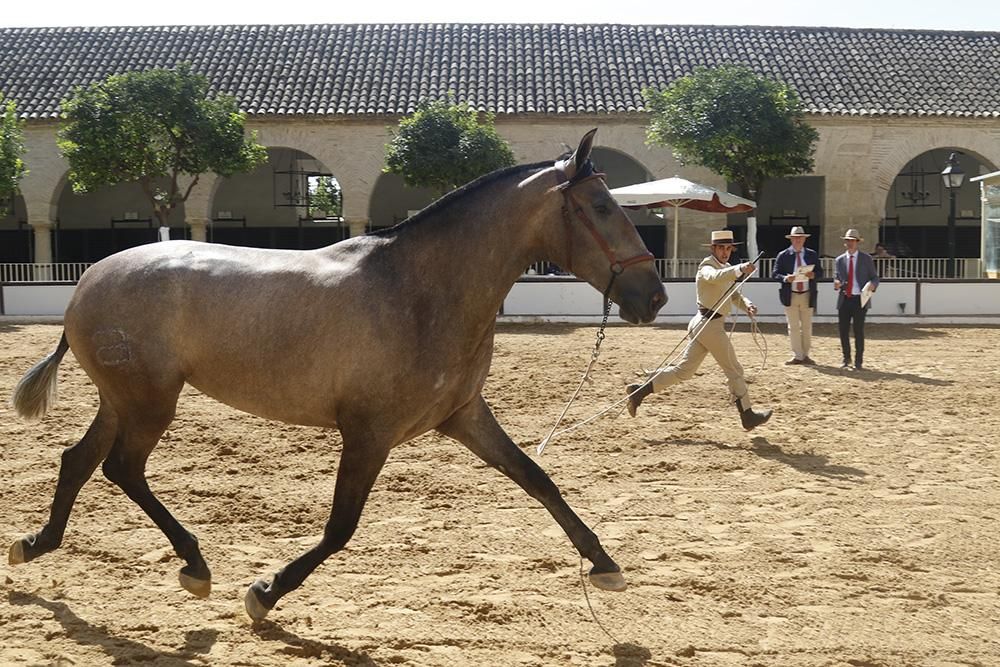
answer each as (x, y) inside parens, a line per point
(855, 269)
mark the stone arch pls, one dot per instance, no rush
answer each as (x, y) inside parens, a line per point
(16, 244)
(916, 205)
(94, 225)
(267, 207)
(391, 201)
(620, 169)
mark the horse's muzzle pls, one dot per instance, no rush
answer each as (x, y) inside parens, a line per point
(640, 305)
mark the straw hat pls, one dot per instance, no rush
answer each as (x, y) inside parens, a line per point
(852, 234)
(722, 237)
(797, 231)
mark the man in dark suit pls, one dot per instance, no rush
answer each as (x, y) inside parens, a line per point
(854, 271)
(798, 292)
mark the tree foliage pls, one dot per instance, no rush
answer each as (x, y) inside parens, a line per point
(442, 146)
(152, 127)
(11, 149)
(325, 195)
(741, 125)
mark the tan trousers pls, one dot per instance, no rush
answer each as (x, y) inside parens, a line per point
(712, 339)
(800, 324)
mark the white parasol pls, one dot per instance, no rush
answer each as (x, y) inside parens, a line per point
(680, 193)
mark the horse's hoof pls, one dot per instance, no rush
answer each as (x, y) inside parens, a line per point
(197, 587)
(608, 581)
(16, 554)
(256, 610)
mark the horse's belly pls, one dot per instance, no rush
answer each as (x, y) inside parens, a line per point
(281, 401)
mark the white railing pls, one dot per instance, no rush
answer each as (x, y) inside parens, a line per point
(888, 267)
(42, 273)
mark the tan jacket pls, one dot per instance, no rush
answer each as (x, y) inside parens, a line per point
(713, 279)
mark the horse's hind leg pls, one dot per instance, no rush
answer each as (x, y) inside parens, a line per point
(360, 463)
(140, 431)
(78, 464)
(476, 428)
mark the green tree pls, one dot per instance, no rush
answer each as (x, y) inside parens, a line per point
(11, 149)
(153, 127)
(325, 195)
(442, 146)
(743, 126)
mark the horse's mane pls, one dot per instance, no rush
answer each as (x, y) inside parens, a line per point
(458, 193)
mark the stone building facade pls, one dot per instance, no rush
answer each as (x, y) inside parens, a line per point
(883, 132)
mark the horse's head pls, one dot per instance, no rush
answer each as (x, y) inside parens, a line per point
(598, 243)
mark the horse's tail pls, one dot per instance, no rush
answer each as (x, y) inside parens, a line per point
(36, 392)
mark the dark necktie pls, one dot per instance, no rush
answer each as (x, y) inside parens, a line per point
(850, 275)
(799, 287)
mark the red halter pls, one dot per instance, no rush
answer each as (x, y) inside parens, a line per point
(585, 174)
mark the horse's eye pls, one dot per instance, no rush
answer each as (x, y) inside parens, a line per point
(602, 209)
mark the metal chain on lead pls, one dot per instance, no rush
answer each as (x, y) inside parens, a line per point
(615, 270)
(600, 333)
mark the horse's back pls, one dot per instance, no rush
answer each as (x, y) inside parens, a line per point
(212, 315)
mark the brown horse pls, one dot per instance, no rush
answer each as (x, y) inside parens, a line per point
(287, 335)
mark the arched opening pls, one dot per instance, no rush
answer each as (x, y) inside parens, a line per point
(784, 203)
(622, 169)
(16, 245)
(292, 201)
(91, 226)
(392, 201)
(917, 207)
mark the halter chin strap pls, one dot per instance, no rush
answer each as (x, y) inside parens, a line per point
(571, 206)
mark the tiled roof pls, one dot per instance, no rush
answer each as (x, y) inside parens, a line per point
(511, 68)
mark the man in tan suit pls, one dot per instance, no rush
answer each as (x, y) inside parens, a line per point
(707, 330)
(798, 292)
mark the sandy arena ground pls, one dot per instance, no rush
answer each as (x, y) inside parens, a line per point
(860, 527)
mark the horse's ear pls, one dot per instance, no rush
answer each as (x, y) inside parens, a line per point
(582, 153)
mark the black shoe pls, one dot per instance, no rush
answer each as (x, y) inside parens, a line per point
(846, 366)
(808, 361)
(636, 393)
(751, 418)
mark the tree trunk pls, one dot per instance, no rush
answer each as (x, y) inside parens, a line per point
(162, 213)
(752, 192)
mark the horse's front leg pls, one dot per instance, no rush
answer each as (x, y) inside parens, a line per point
(476, 428)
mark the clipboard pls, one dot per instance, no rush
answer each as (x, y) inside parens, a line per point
(866, 293)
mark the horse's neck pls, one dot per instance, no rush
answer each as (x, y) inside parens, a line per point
(473, 252)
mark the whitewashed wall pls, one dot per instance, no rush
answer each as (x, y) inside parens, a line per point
(974, 299)
(35, 299)
(561, 299)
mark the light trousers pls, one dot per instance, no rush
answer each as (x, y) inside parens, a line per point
(800, 324)
(711, 340)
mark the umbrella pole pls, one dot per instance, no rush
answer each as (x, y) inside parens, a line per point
(673, 270)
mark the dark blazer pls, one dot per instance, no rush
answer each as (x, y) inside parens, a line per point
(864, 271)
(785, 264)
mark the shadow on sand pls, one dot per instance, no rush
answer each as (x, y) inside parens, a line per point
(874, 331)
(871, 375)
(298, 647)
(807, 462)
(120, 650)
(628, 654)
